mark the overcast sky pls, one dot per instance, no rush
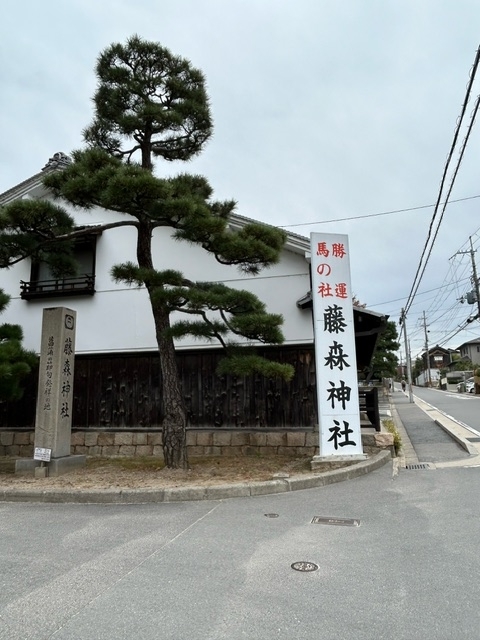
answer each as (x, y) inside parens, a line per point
(323, 110)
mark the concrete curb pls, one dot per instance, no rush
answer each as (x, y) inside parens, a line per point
(454, 428)
(469, 448)
(182, 494)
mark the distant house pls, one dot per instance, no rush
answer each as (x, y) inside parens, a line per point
(117, 377)
(437, 358)
(471, 350)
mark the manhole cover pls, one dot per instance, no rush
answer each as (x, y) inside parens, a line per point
(271, 515)
(304, 566)
(342, 522)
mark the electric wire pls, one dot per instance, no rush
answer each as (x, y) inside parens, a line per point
(462, 152)
(372, 215)
(423, 263)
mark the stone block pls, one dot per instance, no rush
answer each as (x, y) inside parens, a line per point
(213, 451)
(123, 439)
(266, 451)
(276, 439)
(21, 438)
(78, 438)
(311, 439)
(26, 451)
(106, 439)
(6, 438)
(126, 450)
(258, 439)
(222, 439)
(94, 451)
(144, 450)
(204, 438)
(230, 452)
(287, 451)
(110, 450)
(158, 451)
(80, 450)
(154, 439)
(191, 437)
(91, 439)
(249, 451)
(61, 466)
(26, 467)
(140, 439)
(295, 439)
(368, 440)
(3, 450)
(196, 451)
(384, 440)
(240, 439)
(14, 450)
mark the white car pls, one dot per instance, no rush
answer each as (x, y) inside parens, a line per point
(468, 386)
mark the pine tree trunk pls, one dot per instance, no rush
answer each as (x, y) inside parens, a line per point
(174, 418)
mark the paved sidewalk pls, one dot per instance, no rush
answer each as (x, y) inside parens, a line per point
(428, 435)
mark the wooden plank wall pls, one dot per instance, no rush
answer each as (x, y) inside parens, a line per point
(123, 392)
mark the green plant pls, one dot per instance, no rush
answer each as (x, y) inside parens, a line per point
(389, 425)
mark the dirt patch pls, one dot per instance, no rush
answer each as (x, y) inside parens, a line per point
(149, 473)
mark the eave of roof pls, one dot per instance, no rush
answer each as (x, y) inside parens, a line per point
(22, 189)
(475, 341)
(295, 243)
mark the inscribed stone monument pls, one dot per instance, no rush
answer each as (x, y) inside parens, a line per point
(53, 423)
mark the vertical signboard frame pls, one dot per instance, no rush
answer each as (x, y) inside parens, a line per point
(335, 355)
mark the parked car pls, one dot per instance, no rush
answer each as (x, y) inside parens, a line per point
(470, 385)
(466, 387)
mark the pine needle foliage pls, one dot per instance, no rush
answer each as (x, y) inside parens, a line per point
(153, 105)
(15, 361)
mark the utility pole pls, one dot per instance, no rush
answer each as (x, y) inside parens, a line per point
(403, 322)
(475, 282)
(429, 373)
(475, 277)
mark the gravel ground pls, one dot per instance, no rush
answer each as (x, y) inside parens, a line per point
(149, 472)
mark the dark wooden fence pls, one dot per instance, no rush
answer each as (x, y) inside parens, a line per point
(123, 391)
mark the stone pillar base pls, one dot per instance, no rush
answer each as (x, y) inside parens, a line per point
(318, 461)
(56, 466)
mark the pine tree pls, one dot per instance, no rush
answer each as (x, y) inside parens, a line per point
(15, 361)
(385, 362)
(151, 104)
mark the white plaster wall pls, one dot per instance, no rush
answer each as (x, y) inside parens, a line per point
(118, 318)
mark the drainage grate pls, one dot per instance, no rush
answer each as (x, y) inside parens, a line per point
(271, 515)
(304, 566)
(473, 439)
(342, 522)
(420, 465)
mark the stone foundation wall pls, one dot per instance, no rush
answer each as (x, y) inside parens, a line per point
(199, 443)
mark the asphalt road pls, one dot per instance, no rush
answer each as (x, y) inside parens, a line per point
(222, 570)
(464, 407)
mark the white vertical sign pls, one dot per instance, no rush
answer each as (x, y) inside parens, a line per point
(335, 357)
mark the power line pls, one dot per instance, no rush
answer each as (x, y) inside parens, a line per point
(379, 304)
(425, 257)
(372, 215)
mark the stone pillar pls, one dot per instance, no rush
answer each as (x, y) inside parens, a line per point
(53, 423)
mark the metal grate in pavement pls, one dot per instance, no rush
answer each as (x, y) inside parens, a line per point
(344, 522)
(420, 465)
